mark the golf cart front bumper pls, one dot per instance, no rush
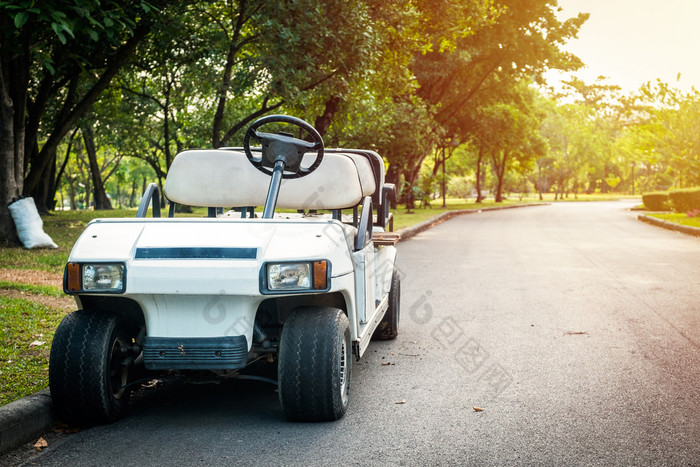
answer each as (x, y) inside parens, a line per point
(195, 353)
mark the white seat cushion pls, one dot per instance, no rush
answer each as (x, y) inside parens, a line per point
(225, 178)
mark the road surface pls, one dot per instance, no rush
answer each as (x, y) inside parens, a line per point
(574, 328)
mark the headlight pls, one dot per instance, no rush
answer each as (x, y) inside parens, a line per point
(292, 276)
(95, 277)
(308, 275)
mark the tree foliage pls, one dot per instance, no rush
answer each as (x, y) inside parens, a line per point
(140, 80)
(56, 58)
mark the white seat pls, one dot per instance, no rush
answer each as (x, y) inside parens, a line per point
(226, 178)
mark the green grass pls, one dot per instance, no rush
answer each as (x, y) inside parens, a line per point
(26, 332)
(403, 219)
(678, 218)
(33, 289)
(549, 197)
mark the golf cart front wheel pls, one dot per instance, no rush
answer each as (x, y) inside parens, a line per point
(315, 363)
(91, 357)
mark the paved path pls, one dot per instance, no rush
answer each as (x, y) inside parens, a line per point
(575, 327)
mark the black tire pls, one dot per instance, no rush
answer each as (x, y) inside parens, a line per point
(315, 362)
(388, 327)
(89, 367)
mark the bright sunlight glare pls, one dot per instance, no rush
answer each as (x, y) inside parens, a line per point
(632, 42)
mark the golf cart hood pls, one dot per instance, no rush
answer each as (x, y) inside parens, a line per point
(194, 256)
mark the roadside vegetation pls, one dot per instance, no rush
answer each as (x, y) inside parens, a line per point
(678, 218)
(25, 343)
(677, 206)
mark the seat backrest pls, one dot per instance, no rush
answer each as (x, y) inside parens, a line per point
(226, 178)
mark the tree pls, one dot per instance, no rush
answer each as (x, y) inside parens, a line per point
(274, 54)
(100, 195)
(671, 119)
(509, 131)
(56, 58)
(516, 40)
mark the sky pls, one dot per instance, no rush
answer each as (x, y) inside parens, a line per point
(635, 41)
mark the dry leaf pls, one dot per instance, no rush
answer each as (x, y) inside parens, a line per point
(36, 344)
(477, 409)
(388, 363)
(41, 444)
(150, 384)
(63, 428)
(400, 402)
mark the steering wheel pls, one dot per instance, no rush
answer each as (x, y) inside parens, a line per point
(283, 147)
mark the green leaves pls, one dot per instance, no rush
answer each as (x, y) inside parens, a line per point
(20, 19)
(60, 29)
(74, 19)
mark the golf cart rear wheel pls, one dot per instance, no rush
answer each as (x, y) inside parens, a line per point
(315, 363)
(89, 368)
(388, 327)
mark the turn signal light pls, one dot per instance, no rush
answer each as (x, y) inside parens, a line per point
(320, 275)
(73, 282)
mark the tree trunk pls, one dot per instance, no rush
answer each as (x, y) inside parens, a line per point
(86, 195)
(132, 198)
(500, 166)
(100, 195)
(9, 152)
(13, 94)
(166, 127)
(479, 168)
(223, 90)
(393, 175)
(323, 122)
(57, 179)
(72, 195)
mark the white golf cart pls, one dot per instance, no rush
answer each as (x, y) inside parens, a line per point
(302, 290)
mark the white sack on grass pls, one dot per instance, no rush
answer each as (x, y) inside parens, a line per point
(30, 227)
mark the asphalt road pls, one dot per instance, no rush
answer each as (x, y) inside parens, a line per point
(575, 327)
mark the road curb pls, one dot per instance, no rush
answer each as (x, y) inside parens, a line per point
(23, 420)
(409, 232)
(686, 229)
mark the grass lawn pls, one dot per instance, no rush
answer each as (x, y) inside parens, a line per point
(402, 218)
(678, 218)
(25, 342)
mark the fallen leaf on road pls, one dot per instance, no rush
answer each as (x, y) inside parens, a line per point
(400, 402)
(388, 363)
(41, 444)
(63, 428)
(150, 384)
(576, 333)
(477, 409)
